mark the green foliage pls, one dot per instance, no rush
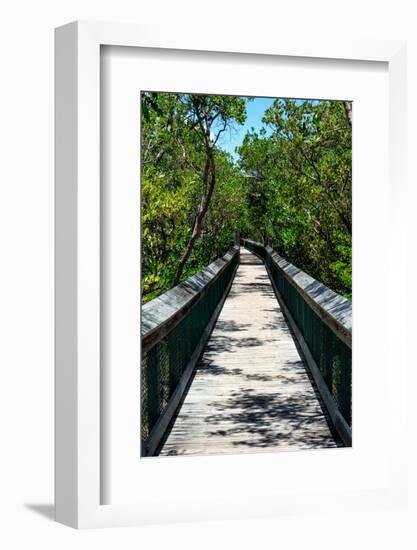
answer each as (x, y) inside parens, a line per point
(291, 186)
(300, 180)
(176, 131)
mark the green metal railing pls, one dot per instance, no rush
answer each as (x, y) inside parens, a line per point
(323, 318)
(172, 327)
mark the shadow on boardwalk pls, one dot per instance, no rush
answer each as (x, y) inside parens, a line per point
(251, 390)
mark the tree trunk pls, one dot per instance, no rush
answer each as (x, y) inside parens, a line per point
(348, 110)
(209, 183)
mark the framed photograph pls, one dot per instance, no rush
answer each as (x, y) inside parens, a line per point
(222, 208)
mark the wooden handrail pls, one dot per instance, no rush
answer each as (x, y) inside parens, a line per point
(162, 314)
(332, 308)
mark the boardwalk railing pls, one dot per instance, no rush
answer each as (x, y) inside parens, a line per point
(175, 328)
(322, 323)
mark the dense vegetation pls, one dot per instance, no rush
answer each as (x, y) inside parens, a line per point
(290, 186)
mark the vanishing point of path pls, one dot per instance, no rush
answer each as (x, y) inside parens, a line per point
(250, 390)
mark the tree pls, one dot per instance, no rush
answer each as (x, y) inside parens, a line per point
(290, 186)
(302, 172)
(184, 172)
(211, 116)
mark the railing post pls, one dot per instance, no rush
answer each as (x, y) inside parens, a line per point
(237, 237)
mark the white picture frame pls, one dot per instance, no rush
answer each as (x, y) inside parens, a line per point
(78, 406)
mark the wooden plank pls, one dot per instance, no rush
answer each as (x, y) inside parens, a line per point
(340, 424)
(251, 390)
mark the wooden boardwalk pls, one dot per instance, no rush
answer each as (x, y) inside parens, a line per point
(250, 390)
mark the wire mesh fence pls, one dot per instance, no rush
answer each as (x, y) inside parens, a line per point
(331, 354)
(164, 362)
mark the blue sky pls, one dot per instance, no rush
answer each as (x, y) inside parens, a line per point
(255, 111)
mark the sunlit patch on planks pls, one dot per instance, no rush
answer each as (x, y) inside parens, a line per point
(250, 390)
